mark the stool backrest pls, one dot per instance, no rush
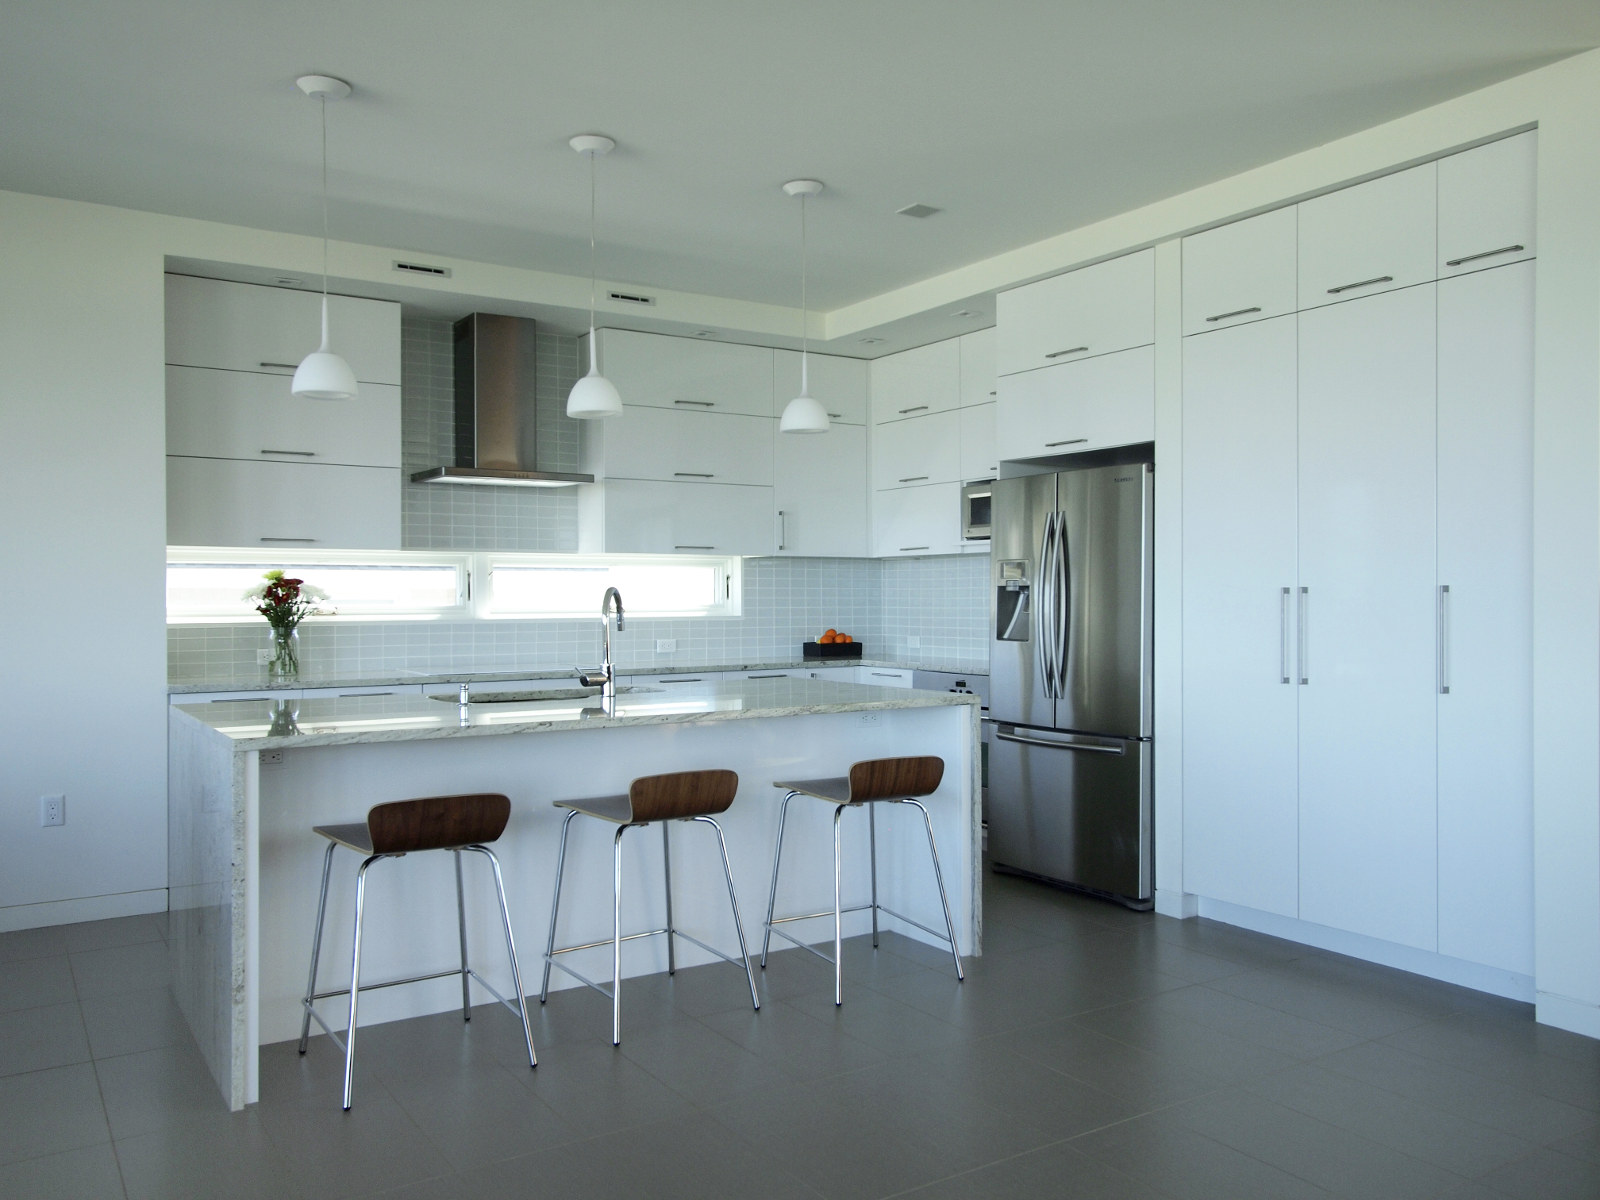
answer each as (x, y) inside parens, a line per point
(889, 778)
(682, 794)
(437, 822)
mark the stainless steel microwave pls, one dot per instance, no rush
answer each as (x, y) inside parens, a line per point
(975, 510)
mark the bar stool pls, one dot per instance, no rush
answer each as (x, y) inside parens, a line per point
(680, 796)
(393, 830)
(875, 781)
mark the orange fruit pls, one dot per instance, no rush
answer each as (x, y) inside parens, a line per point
(847, 637)
(828, 633)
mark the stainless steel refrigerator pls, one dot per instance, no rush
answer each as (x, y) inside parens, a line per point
(1069, 667)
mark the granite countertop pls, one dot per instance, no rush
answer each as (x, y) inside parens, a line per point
(255, 682)
(336, 721)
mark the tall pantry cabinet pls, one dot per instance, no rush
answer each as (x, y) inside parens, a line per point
(1357, 527)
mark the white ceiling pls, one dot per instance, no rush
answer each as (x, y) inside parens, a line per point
(1018, 118)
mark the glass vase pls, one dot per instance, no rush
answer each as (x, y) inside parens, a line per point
(283, 648)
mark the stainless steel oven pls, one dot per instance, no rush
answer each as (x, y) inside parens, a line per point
(975, 502)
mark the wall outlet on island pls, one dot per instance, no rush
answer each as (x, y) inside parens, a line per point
(263, 657)
(52, 810)
(666, 645)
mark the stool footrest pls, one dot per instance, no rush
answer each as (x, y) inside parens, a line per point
(627, 937)
(773, 928)
(310, 1005)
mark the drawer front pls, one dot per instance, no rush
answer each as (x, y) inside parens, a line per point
(245, 327)
(659, 371)
(911, 521)
(648, 517)
(839, 384)
(677, 445)
(241, 414)
(1370, 238)
(225, 502)
(915, 383)
(916, 451)
(883, 677)
(1090, 405)
(1092, 311)
(1486, 205)
(1241, 272)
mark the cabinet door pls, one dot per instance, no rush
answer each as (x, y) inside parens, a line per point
(224, 502)
(1108, 401)
(1240, 761)
(821, 493)
(839, 383)
(1095, 310)
(978, 371)
(1486, 205)
(1372, 237)
(1240, 272)
(917, 520)
(1368, 811)
(676, 372)
(1486, 560)
(916, 382)
(681, 445)
(245, 327)
(244, 414)
(646, 517)
(978, 457)
(919, 450)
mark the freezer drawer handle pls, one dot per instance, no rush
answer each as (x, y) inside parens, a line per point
(1361, 283)
(1456, 262)
(1087, 747)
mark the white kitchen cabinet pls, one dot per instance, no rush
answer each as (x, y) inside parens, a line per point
(1369, 238)
(821, 494)
(676, 372)
(979, 369)
(246, 327)
(1367, 545)
(916, 382)
(924, 449)
(839, 384)
(1240, 698)
(1088, 405)
(1486, 205)
(682, 445)
(250, 415)
(1091, 311)
(1241, 272)
(637, 516)
(979, 456)
(229, 502)
(1486, 562)
(883, 676)
(924, 519)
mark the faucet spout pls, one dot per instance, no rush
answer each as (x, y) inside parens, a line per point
(605, 606)
(607, 675)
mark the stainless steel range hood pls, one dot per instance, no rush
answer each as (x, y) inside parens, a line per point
(497, 438)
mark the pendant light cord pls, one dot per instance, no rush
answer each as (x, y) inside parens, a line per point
(322, 102)
(805, 322)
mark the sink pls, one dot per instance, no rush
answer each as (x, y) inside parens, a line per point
(528, 697)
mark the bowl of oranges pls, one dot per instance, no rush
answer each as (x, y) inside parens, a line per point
(832, 644)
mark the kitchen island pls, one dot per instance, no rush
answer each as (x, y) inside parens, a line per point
(249, 779)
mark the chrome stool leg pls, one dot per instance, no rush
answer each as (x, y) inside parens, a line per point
(772, 895)
(316, 948)
(461, 921)
(738, 922)
(938, 875)
(616, 939)
(872, 843)
(355, 980)
(555, 907)
(511, 948)
(838, 934)
(666, 868)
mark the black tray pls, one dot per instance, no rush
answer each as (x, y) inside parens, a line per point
(831, 649)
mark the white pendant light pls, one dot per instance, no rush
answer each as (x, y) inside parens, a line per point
(594, 396)
(322, 374)
(803, 414)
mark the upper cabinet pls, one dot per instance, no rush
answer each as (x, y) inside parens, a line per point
(673, 372)
(1092, 405)
(1091, 311)
(820, 492)
(246, 327)
(1239, 273)
(916, 382)
(1486, 205)
(978, 367)
(1370, 238)
(839, 384)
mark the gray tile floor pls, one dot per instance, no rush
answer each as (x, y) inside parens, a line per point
(1092, 1052)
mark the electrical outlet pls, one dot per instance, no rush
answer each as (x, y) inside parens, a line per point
(271, 758)
(913, 643)
(52, 810)
(263, 657)
(869, 718)
(666, 645)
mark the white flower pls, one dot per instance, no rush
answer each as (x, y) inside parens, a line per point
(311, 592)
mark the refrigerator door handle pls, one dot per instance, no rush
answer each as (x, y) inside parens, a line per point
(1283, 636)
(1305, 634)
(1444, 639)
(1046, 622)
(1063, 615)
(1086, 747)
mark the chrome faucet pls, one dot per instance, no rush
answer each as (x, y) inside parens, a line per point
(606, 678)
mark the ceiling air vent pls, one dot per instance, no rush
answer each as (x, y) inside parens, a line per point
(630, 298)
(916, 210)
(422, 269)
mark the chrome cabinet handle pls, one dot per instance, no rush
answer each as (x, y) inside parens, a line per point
(835, 416)
(1238, 312)
(775, 675)
(351, 695)
(694, 547)
(914, 408)
(783, 530)
(903, 549)
(1444, 639)
(1062, 353)
(1345, 287)
(1283, 636)
(697, 403)
(913, 478)
(1068, 442)
(888, 674)
(692, 475)
(296, 453)
(1456, 262)
(1086, 747)
(695, 679)
(278, 539)
(1305, 637)
(282, 366)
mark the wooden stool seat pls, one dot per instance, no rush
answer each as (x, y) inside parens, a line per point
(875, 779)
(679, 796)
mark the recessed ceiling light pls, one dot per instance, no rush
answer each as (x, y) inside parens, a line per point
(962, 312)
(705, 333)
(917, 210)
(869, 341)
(289, 281)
